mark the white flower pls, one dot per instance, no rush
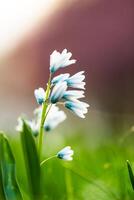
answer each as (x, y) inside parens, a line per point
(39, 95)
(76, 81)
(61, 77)
(34, 125)
(79, 108)
(58, 92)
(66, 153)
(73, 94)
(19, 126)
(54, 118)
(60, 60)
(37, 112)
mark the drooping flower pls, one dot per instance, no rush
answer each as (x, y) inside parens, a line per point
(60, 60)
(34, 125)
(54, 118)
(79, 108)
(37, 112)
(73, 94)
(58, 92)
(61, 77)
(76, 81)
(66, 154)
(40, 95)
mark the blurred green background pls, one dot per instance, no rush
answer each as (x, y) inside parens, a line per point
(98, 171)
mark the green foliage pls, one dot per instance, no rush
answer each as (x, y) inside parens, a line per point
(31, 161)
(98, 170)
(131, 175)
(8, 182)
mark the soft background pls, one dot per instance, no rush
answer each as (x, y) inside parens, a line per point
(98, 32)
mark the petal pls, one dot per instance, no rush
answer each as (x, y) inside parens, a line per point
(76, 85)
(39, 95)
(73, 94)
(54, 118)
(65, 149)
(61, 77)
(77, 107)
(58, 91)
(60, 60)
(68, 158)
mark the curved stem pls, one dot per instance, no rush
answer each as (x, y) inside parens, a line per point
(43, 118)
(49, 109)
(42, 163)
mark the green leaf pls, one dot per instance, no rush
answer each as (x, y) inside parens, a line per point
(2, 195)
(8, 167)
(32, 163)
(131, 175)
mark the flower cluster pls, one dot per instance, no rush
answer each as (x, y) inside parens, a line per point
(59, 86)
(62, 89)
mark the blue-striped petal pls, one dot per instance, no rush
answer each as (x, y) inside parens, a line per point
(61, 77)
(73, 94)
(54, 118)
(66, 154)
(79, 108)
(40, 95)
(58, 92)
(76, 81)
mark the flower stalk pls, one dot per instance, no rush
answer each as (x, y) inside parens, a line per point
(48, 115)
(43, 117)
(44, 161)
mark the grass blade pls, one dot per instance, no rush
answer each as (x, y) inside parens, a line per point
(131, 175)
(31, 161)
(2, 195)
(7, 162)
(90, 180)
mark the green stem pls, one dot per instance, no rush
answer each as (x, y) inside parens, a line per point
(43, 118)
(42, 163)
